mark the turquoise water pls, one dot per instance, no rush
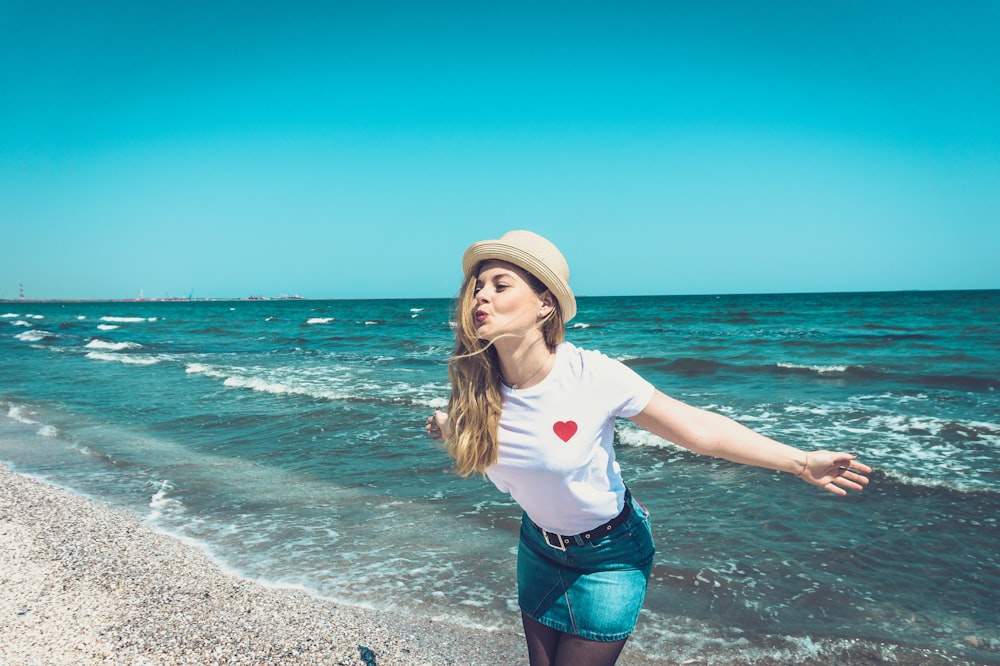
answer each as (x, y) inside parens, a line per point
(286, 439)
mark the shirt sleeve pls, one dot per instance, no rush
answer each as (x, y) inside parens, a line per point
(626, 390)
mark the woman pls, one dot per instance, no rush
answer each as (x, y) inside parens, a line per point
(536, 415)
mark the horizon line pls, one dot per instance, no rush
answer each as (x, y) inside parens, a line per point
(256, 299)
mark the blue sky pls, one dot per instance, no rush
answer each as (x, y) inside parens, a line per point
(353, 150)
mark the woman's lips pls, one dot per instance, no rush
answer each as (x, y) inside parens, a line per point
(480, 316)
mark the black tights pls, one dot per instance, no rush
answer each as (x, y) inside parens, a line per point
(551, 647)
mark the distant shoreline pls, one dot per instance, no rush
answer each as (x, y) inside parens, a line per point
(157, 300)
(254, 299)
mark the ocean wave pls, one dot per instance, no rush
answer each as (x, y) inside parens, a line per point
(629, 435)
(49, 431)
(319, 320)
(690, 640)
(687, 367)
(17, 413)
(128, 320)
(9, 315)
(258, 384)
(821, 369)
(930, 425)
(956, 382)
(877, 340)
(199, 369)
(922, 483)
(161, 503)
(107, 327)
(112, 346)
(265, 381)
(123, 358)
(700, 367)
(22, 415)
(36, 335)
(335, 384)
(917, 450)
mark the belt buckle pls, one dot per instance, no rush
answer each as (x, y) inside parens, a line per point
(558, 545)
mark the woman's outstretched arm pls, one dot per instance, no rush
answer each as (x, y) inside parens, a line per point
(712, 434)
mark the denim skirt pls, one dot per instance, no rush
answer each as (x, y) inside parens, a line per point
(592, 590)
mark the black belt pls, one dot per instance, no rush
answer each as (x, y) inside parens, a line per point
(559, 541)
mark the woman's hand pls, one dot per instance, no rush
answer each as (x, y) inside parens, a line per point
(437, 426)
(834, 471)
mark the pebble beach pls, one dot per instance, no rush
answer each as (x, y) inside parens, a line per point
(86, 583)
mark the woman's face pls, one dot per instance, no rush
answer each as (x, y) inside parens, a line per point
(504, 302)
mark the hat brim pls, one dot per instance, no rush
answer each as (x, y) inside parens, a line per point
(501, 251)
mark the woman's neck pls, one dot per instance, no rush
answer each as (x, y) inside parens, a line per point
(526, 365)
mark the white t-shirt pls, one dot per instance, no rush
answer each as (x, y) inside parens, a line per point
(557, 458)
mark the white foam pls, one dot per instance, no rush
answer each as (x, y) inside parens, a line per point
(437, 403)
(49, 431)
(107, 327)
(112, 346)
(257, 384)
(821, 369)
(916, 449)
(160, 503)
(319, 320)
(21, 322)
(807, 409)
(35, 335)
(122, 358)
(912, 426)
(128, 320)
(631, 435)
(314, 384)
(17, 413)
(9, 315)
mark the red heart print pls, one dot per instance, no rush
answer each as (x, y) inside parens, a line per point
(564, 429)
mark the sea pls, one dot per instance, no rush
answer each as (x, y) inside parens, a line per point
(286, 439)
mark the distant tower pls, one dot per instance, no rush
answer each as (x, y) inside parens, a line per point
(20, 289)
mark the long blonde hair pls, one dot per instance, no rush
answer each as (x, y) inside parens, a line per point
(474, 371)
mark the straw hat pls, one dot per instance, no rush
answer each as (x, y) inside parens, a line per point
(532, 253)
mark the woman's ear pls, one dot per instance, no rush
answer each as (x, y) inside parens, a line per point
(547, 304)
